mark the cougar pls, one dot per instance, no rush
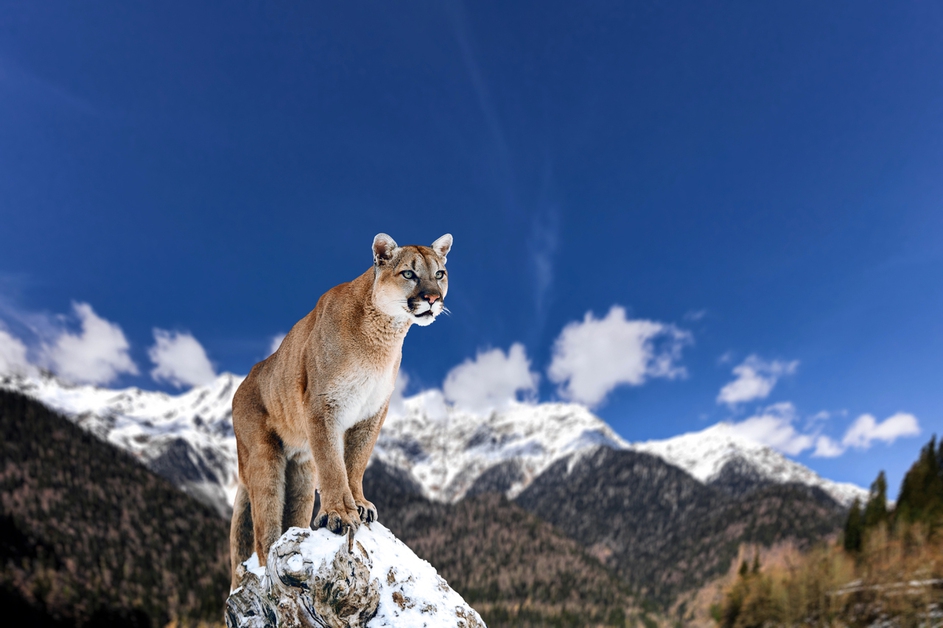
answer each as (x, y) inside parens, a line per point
(309, 415)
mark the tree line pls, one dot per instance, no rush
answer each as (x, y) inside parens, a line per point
(885, 569)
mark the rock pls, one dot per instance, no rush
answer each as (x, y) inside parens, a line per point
(365, 580)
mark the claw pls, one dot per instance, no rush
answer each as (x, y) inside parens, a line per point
(367, 512)
(334, 522)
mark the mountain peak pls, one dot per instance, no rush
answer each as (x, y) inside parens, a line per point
(706, 453)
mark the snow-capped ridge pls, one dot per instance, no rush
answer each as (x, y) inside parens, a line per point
(704, 455)
(448, 451)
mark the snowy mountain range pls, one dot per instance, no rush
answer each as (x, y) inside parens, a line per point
(448, 452)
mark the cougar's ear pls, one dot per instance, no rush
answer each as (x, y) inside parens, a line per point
(443, 245)
(383, 248)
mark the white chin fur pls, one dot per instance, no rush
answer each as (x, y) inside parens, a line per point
(424, 321)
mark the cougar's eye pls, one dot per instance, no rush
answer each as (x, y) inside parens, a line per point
(408, 274)
(439, 274)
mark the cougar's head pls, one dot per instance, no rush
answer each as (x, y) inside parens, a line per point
(410, 282)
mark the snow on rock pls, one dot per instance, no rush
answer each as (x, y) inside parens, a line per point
(369, 579)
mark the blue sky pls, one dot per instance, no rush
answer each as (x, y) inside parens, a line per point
(760, 183)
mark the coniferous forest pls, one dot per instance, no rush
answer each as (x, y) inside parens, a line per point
(89, 537)
(886, 569)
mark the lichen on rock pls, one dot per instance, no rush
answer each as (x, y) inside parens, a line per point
(365, 580)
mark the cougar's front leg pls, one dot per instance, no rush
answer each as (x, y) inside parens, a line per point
(358, 445)
(338, 509)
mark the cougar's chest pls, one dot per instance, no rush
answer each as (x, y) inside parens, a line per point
(362, 393)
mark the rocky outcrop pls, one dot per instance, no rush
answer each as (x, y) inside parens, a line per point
(369, 579)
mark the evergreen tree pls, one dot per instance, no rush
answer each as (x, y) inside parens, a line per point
(854, 528)
(921, 493)
(875, 512)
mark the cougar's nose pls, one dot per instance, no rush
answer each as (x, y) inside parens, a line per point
(431, 298)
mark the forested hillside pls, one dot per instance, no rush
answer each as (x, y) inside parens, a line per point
(887, 569)
(91, 537)
(663, 531)
(512, 567)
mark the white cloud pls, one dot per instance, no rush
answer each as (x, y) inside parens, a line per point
(774, 427)
(276, 343)
(593, 356)
(865, 430)
(825, 447)
(13, 358)
(755, 380)
(179, 359)
(396, 406)
(98, 354)
(491, 380)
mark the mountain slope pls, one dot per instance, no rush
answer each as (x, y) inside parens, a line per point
(185, 438)
(661, 529)
(513, 568)
(90, 535)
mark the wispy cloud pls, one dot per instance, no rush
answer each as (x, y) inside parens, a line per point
(491, 380)
(97, 354)
(594, 356)
(33, 88)
(695, 315)
(755, 379)
(180, 360)
(542, 243)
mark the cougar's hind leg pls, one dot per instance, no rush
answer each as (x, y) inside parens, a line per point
(299, 492)
(265, 479)
(240, 534)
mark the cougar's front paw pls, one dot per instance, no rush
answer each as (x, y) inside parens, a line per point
(336, 520)
(367, 511)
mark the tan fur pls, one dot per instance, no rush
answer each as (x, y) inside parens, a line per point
(309, 415)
